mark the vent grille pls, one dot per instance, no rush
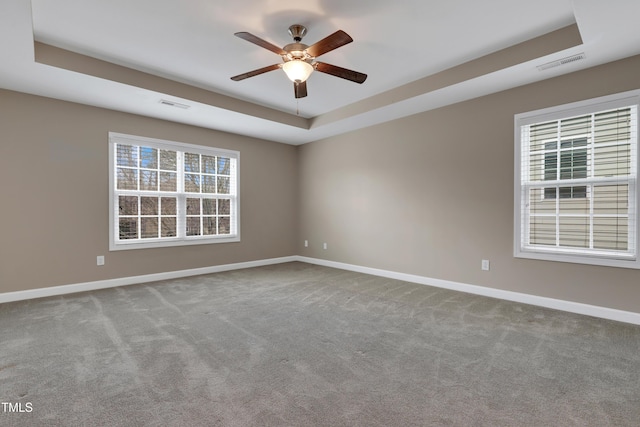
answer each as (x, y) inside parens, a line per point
(174, 104)
(563, 61)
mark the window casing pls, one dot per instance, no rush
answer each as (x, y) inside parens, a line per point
(575, 193)
(165, 193)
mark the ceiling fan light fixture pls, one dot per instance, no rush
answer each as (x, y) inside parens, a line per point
(299, 60)
(297, 70)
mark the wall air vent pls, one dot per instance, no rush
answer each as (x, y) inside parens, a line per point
(563, 61)
(174, 104)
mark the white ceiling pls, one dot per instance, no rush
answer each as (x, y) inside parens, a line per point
(395, 43)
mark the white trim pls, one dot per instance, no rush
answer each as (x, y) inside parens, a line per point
(569, 306)
(133, 280)
(579, 108)
(556, 304)
(166, 144)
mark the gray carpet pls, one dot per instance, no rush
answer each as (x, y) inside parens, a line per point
(302, 345)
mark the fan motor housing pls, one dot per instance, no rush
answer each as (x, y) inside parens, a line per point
(296, 51)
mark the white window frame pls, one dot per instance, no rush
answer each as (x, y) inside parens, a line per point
(605, 258)
(116, 244)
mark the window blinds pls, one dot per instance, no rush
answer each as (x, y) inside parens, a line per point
(578, 184)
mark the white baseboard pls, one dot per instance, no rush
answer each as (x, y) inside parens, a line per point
(570, 306)
(124, 281)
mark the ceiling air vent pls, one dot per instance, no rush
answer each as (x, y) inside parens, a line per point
(174, 104)
(563, 61)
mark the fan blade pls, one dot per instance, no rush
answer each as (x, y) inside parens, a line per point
(329, 43)
(300, 89)
(255, 72)
(344, 73)
(260, 42)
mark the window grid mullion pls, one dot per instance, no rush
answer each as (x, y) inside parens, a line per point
(181, 208)
(200, 191)
(591, 216)
(527, 215)
(591, 168)
(557, 200)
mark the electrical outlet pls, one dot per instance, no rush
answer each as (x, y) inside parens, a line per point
(100, 260)
(324, 246)
(485, 264)
(306, 243)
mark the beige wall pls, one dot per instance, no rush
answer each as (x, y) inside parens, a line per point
(432, 195)
(54, 192)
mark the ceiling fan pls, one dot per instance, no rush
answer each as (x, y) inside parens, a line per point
(300, 59)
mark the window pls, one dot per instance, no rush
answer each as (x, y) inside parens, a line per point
(166, 193)
(575, 182)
